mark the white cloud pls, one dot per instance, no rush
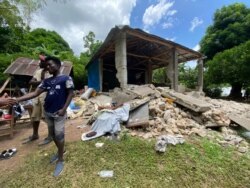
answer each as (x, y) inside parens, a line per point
(154, 13)
(197, 47)
(74, 19)
(171, 12)
(171, 39)
(195, 23)
(168, 23)
(193, 64)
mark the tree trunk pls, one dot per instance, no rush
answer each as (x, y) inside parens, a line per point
(235, 92)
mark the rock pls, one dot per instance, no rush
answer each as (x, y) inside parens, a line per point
(171, 121)
(175, 130)
(133, 134)
(147, 135)
(216, 118)
(167, 115)
(242, 149)
(180, 124)
(220, 123)
(169, 131)
(199, 132)
(184, 114)
(162, 106)
(151, 123)
(177, 111)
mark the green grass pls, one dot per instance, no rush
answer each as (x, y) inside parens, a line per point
(198, 163)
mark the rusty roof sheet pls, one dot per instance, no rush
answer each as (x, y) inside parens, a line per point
(27, 67)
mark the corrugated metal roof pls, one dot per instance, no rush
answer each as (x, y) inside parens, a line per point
(27, 67)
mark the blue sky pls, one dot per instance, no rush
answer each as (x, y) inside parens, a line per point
(178, 26)
(182, 21)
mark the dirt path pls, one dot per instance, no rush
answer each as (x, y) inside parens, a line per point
(72, 133)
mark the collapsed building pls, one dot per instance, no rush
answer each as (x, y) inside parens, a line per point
(124, 65)
(129, 56)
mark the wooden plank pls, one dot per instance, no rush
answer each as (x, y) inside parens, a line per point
(244, 122)
(5, 84)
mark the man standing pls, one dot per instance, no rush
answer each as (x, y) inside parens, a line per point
(59, 94)
(38, 102)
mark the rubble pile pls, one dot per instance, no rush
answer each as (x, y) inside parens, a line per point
(192, 113)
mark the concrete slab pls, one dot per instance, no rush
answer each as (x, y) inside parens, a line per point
(122, 96)
(139, 116)
(101, 100)
(189, 102)
(142, 91)
(242, 121)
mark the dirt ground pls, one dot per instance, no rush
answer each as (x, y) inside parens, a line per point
(24, 130)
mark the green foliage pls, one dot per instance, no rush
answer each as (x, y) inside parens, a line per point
(11, 28)
(188, 76)
(231, 66)
(16, 41)
(159, 76)
(231, 27)
(213, 92)
(91, 44)
(48, 40)
(80, 73)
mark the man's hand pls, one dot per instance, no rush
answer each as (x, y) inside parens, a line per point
(7, 101)
(61, 112)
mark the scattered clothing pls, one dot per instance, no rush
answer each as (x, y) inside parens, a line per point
(162, 141)
(108, 121)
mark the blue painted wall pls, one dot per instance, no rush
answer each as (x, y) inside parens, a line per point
(94, 75)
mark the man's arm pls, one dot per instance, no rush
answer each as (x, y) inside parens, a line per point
(62, 111)
(31, 95)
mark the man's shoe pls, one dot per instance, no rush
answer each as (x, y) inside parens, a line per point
(30, 139)
(58, 169)
(45, 141)
(54, 158)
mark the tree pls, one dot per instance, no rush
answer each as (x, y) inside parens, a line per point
(91, 44)
(188, 76)
(48, 40)
(11, 28)
(231, 27)
(231, 66)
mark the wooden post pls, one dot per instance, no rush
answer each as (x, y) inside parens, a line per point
(149, 72)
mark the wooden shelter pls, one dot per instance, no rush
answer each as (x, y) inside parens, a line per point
(128, 56)
(22, 70)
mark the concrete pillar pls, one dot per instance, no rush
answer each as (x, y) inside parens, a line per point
(200, 75)
(121, 60)
(172, 70)
(101, 73)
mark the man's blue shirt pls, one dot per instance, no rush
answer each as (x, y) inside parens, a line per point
(57, 92)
